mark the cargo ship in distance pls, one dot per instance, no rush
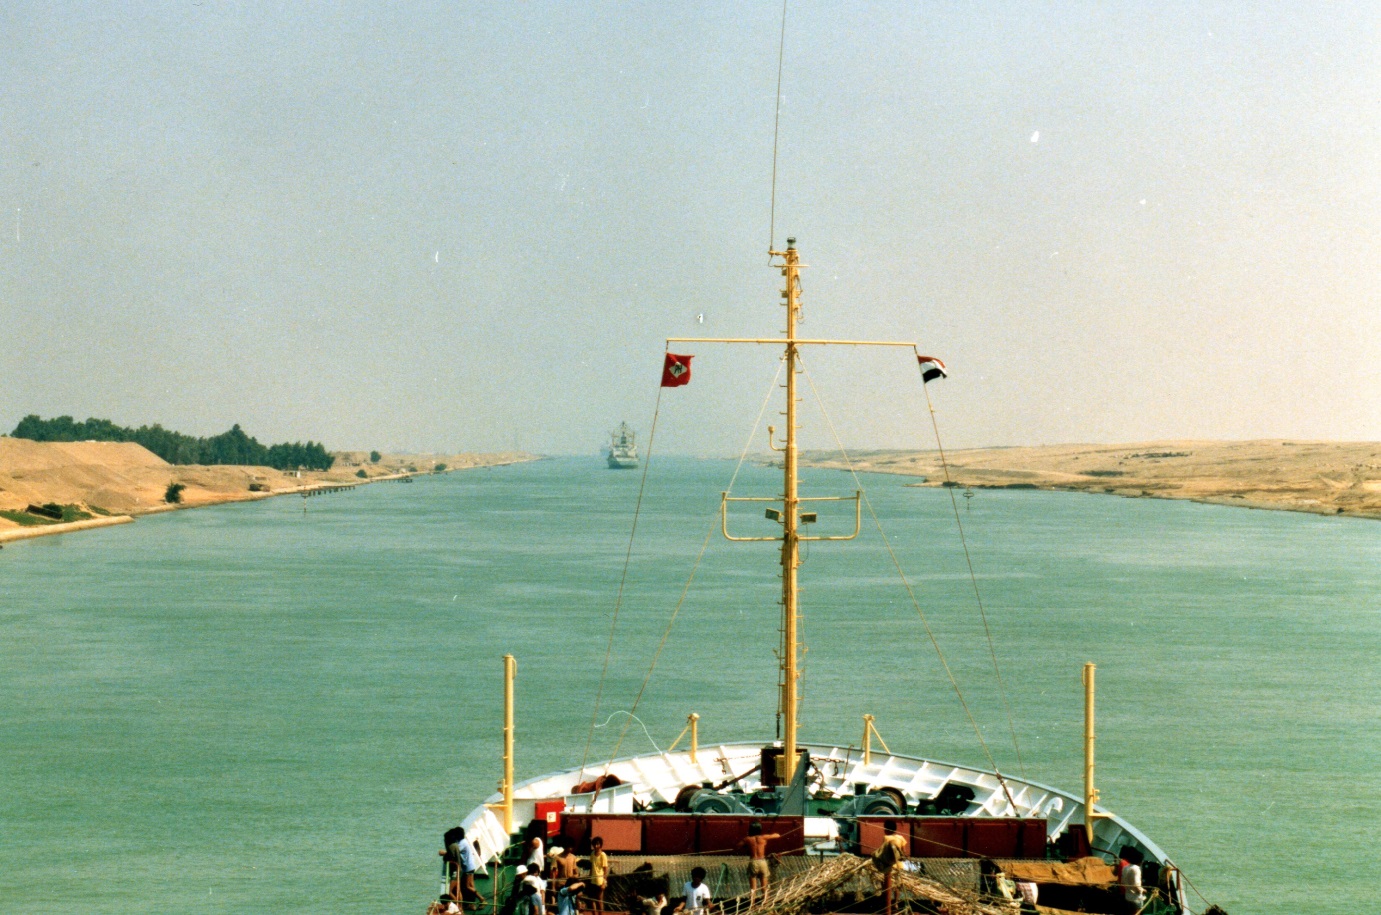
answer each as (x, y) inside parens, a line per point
(623, 449)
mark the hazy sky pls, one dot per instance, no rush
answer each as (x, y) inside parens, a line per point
(450, 225)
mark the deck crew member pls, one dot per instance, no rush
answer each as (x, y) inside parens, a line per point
(697, 901)
(759, 872)
(463, 861)
(1130, 878)
(893, 849)
(567, 896)
(567, 864)
(599, 874)
(536, 859)
(655, 903)
(532, 893)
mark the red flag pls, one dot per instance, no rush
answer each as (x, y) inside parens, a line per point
(676, 371)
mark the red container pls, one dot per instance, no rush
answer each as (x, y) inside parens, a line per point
(665, 834)
(620, 832)
(575, 832)
(995, 838)
(941, 837)
(720, 834)
(1005, 837)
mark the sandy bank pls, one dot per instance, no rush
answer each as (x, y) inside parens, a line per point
(23, 533)
(111, 480)
(1331, 478)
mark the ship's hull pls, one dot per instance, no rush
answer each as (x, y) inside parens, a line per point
(623, 462)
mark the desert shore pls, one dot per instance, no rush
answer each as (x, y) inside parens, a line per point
(1329, 478)
(114, 482)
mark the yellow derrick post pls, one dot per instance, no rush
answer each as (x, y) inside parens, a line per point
(869, 732)
(693, 729)
(510, 671)
(1090, 792)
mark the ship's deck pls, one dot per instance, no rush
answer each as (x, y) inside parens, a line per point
(997, 817)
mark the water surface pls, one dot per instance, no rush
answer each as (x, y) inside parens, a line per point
(278, 706)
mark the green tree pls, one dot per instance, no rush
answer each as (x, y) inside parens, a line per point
(375, 457)
(232, 447)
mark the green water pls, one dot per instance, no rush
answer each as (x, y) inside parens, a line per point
(256, 709)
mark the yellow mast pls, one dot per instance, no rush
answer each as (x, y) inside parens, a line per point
(790, 499)
(790, 516)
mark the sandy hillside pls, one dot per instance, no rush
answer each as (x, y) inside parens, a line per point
(1342, 478)
(117, 477)
(112, 479)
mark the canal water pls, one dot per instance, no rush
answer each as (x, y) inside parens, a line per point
(279, 706)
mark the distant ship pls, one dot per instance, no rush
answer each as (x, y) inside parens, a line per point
(623, 450)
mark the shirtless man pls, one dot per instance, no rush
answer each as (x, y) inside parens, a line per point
(567, 865)
(759, 873)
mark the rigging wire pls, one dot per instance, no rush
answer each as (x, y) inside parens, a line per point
(776, 132)
(623, 581)
(973, 579)
(910, 591)
(646, 732)
(695, 568)
(1185, 877)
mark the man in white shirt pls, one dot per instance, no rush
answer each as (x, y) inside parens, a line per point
(536, 859)
(1130, 877)
(1132, 890)
(698, 901)
(532, 894)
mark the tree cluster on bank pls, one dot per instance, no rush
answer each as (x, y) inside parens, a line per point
(232, 447)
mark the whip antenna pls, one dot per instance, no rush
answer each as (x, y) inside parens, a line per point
(776, 130)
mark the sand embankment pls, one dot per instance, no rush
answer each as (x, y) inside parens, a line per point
(24, 533)
(1333, 478)
(117, 480)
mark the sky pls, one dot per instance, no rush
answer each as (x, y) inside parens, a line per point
(442, 226)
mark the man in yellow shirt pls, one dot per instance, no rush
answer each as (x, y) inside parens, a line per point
(893, 850)
(599, 874)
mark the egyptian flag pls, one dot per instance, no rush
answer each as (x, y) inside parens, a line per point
(676, 371)
(931, 368)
